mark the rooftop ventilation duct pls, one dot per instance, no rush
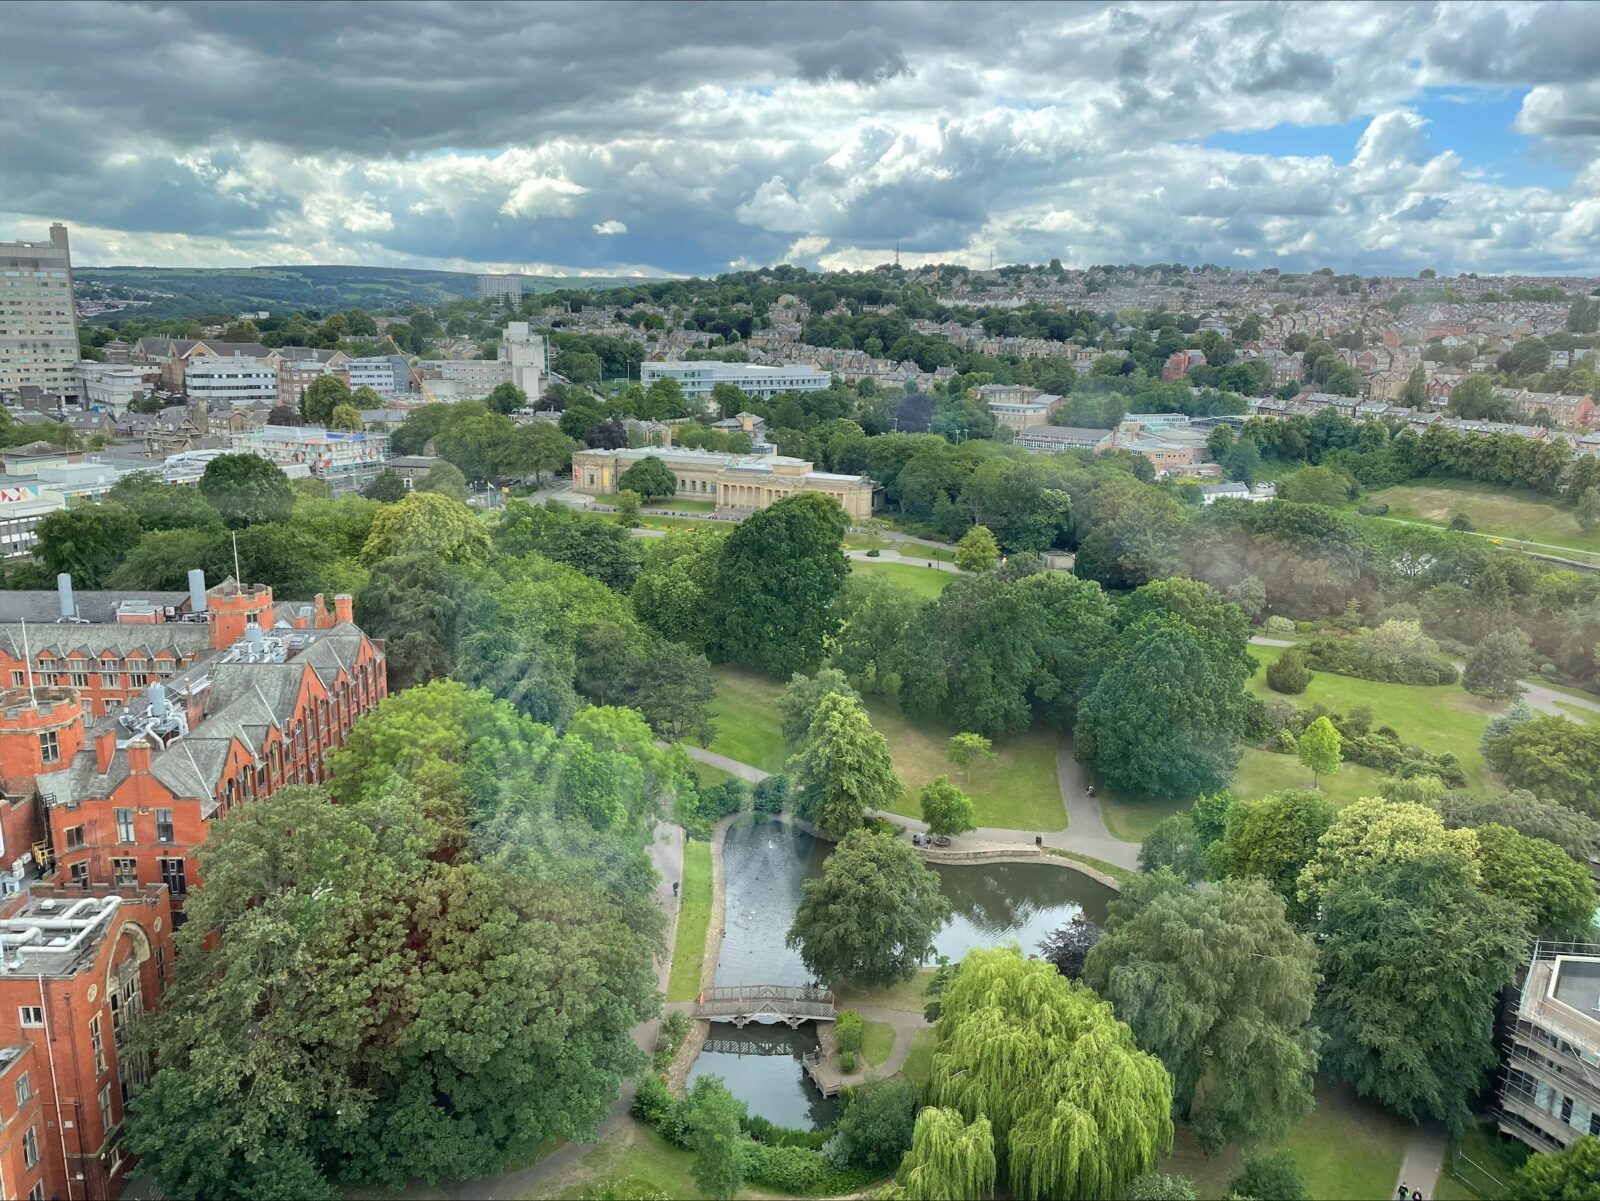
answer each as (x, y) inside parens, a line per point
(197, 591)
(69, 606)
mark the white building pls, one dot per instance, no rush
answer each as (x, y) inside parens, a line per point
(114, 386)
(698, 378)
(38, 321)
(234, 378)
(527, 356)
(499, 286)
(385, 374)
(347, 461)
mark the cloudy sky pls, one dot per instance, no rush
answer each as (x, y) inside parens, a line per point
(691, 139)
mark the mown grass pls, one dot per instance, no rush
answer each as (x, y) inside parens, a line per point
(919, 1060)
(694, 919)
(1346, 1150)
(745, 714)
(915, 550)
(1438, 718)
(908, 996)
(1512, 513)
(877, 1040)
(925, 582)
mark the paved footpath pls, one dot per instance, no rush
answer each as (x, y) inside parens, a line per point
(1424, 1160)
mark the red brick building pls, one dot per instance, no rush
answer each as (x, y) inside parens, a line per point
(77, 968)
(195, 703)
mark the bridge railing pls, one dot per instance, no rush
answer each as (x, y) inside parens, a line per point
(766, 992)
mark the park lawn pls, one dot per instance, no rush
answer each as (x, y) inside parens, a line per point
(1346, 1150)
(653, 521)
(694, 918)
(1020, 790)
(877, 1040)
(1437, 717)
(745, 714)
(915, 550)
(1516, 513)
(920, 580)
(685, 506)
(919, 1060)
(1261, 772)
(1584, 717)
(1120, 874)
(1132, 818)
(709, 775)
(866, 542)
(1491, 1160)
(634, 1152)
(908, 996)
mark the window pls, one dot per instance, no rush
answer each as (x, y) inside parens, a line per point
(124, 825)
(161, 968)
(24, 1091)
(74, 837)
(98, 1044)
(30, 1150)
(172, 877)
(80, 672)
(49, 747)
(105, 1109)
(36, 1193)
(30, 1015)
(125, 872)
(163, 825)
(80, 874)
(19, 679)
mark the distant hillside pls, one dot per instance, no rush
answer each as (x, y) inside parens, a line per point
(188, 292)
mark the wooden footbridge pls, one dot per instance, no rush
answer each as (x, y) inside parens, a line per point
(788, 1003)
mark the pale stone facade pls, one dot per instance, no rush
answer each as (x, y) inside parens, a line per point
(739, 483)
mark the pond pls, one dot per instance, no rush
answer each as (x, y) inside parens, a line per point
(765, 862)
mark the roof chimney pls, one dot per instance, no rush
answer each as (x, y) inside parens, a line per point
(69, 607)
(105, 746)
(197, 591)
(139, 757)
(343, 607)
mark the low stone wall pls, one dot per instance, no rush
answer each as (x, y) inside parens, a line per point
(1009, 854)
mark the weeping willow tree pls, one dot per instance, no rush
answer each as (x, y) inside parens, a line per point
(948, 1158)
(1077, 1110)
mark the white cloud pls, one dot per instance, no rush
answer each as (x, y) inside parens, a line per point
(610, 228)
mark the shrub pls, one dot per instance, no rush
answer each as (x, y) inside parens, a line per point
(625, 1188)
(653, 1102)
(847, 1062)
(771, 795)
(1462, 523)
(1374, 508)
(798, 1171)
(874, 553)
(1278, 625)
(1159, 1186)
(876, 1128)
(1272, 1176)
(847, 1028)
(1289, 673)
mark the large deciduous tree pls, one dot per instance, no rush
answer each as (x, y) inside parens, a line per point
(977, 551)
(946, 809)
(1568, 1175)
(715, 1118)
(871, 916)
(778, 584)
(949, 1157)
(1551, 757)
(247, 490)
(1555, 891)
(1076, 1108)
(1220, 986)
(800, 698)
(87, 542)
(1374, 831)
(1413, 955)
(1274, 838)
(1166, 718)
(1495, 666)
(428, 523)
(650, 478)
(324, 394)
(844, 766)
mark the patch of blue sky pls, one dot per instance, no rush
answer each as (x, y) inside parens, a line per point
(1479, 124)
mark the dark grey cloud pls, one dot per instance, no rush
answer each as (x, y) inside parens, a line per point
(866, 58)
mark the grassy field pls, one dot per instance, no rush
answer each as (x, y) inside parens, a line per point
(1121, 874)
(1584, 717)
(1261, 772)
(745, 714)
(685, 506)
(1438, 718)
(652, 521)
(877, 1040)
(1018, 791)
(707, 774)
(919, 1061)
(914, 550)
(1506, 512)
(1347, 1150)
(921, 580)
(1489, 1158)
(909, 996)
(866, 542)
(694, 916)
(632, 1153)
